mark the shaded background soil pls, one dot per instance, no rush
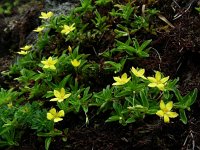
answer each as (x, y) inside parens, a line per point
(175, 52)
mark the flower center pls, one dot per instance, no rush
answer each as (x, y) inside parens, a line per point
(158, 82)
(165, 110)
(49, 63)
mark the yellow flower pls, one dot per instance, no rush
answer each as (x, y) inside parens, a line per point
(10, 105)
(138, 72)
(46, 15)
(75, 62)
(69, 49)
(55, 116)
(122, 80)
(39, 29)
(66, 29)
(60, 95)
(26, 47)
(158, 81)
(166, 111)
(49, 63)
(22, 52)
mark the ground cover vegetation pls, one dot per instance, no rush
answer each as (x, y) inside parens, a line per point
(91, 63)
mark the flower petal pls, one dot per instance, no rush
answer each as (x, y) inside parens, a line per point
(166, 118)
(56, 93)
(118, 79)
(54, 99)
(160, 113)
(133, 70)
(38, 29)
(158, 76)
(151, 79)
(141, 71)
(62, 92)
(22, 52)
(117, 83)
(169, 105)
(49, 14)
(44, 62)
(53, 111)
(161, 86)
(57, 119)
(163, 80)
(26, 48)
(152, 84)
(52, 67)
(50, 116)
(172, 114)
(124, 76)
(67, 95)
(46, 66)
(143, 77)
(61, 113)
(50, 59)
(162, 105)
(60, 100)
(125, 81)
(43, 14)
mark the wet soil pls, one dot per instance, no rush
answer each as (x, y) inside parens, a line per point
(176, 53)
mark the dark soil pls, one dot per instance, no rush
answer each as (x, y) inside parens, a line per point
(176, 53)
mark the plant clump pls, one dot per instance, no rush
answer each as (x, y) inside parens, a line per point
(55, 74)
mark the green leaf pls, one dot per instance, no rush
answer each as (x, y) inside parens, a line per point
(4, 143)
(171, 84)
(5, 129)
(178, 95)
(198, 9)
(145, 44)
(117, 107)
(130, 120)
(166, 94)
(7, 96)
(120, 33)
(142, 54)
(47, 143)
(183, 116)
(64, 81)
(113, 118)
(64, 105)
(123, 93)
(50, 134)
(152, 111)
(103, 105)
(143, 96)
(190, 98)
(39, 76)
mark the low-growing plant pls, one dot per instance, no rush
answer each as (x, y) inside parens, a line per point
(102, 2)
(7, 96)
(15, 119)
(134, 97)
(139, 50)
(53, 75)
(198, 9)
(7, 6)
(86, 5)
(100, 23)
(123, 11)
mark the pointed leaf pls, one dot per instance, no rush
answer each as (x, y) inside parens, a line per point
(183, 116)
(130, 120)
(143, 96)
(113, 118)
(47, 143)
(190, 98)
